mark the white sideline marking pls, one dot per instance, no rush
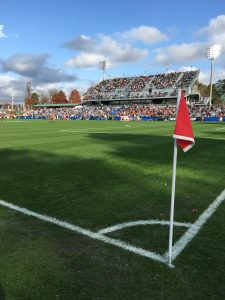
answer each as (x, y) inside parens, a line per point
(196, 226)
(87, 232)
(9, 121)
(144, 222)
(85, 131)
(108, 132)
(212, 138)
(221, 128)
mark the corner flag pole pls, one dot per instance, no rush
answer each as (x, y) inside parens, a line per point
(173, 190)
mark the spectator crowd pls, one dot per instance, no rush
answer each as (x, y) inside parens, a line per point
(152, 86)
(121, 112)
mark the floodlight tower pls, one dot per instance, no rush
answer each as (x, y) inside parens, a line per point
(212, 52)
(103, 66)
(12, 99)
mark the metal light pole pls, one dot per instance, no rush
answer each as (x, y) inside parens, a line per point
(103, 66)
(212, 52)
(12, 100)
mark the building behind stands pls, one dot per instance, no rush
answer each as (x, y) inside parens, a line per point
(155, 89)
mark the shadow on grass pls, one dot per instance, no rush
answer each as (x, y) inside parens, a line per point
(88, 191)
(130, 182)
(218, 133)
(2, 293)
(159, 150)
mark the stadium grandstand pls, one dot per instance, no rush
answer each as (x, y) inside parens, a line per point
(144, 98)
(151, 89)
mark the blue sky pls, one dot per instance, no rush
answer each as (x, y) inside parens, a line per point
(59, 44)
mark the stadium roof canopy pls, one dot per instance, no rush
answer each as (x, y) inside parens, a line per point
(56, 105)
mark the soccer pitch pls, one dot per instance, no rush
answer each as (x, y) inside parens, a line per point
(103, 188)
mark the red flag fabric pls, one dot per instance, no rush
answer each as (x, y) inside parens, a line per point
(183, 132)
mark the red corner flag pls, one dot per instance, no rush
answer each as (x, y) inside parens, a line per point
(185, 140)
(183, 132)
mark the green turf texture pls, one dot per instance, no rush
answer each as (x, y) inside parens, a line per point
(97, 174)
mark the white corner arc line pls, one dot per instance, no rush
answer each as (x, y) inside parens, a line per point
(196, 226)
(86, 232)
(141, 222)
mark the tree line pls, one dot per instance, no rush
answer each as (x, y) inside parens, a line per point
(53, 97)
(218, 91)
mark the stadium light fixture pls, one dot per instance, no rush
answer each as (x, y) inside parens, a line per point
(103, 66)
(212, 52)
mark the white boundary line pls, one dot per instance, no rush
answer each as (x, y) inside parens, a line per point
(220, 128)
(144, 130)
(13, 121)
(82, 131)
(95, 128)
(196, 226)
(142, 222)
(86, 232)
(212, 138)
(178, 247)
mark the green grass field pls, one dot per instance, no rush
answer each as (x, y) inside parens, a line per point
(96, 174)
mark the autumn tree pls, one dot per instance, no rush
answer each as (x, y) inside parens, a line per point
(32, 100)
(59, 98)
(44, 99)
(6, 105)
(205, 92)
(74, 97)
(204, 89)
(35, 97)
(220, 86)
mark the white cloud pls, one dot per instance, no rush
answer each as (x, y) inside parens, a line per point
(145, 34)
(215, 30)
(21, 68)
(46, 88)
(204, 76)
(188, 68)
(119, 53)
(215, 34)
(85, 60)
(35, 67)
(24, 64)
(7, 82)
(103, 47)
(2, 34)
(82, 43)
(188, 53)
(179, 54)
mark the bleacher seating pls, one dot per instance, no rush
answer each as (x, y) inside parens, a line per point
(186, 79)
(139, 83)
(157, 86)
(166, 80)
